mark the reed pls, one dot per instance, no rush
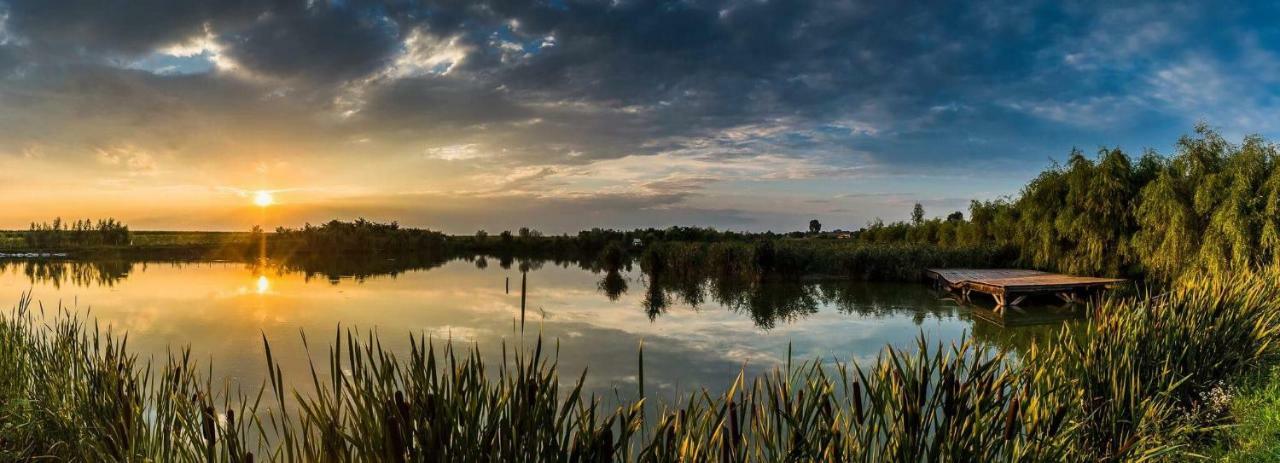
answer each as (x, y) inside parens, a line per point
(1139, 371)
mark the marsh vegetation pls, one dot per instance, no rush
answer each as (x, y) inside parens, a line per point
(1131, 386)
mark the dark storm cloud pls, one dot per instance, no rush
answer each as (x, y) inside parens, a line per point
(694, 65)
(125, 27)
(323, 43)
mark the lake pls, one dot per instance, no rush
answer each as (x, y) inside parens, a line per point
(695, 334)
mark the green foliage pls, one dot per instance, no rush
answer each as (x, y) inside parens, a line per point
(788, 258)
(1254, 408)
(71, 392)
(1138, 373)
(1211, 207)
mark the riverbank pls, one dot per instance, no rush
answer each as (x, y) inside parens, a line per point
(142, 244)
(671, 253)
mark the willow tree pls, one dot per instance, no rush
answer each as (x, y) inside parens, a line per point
(1041, 200)
(1211, 207)
(1269, 234)
(1230, 196)
(1175, 207)
(994, 221)
(1095, 225)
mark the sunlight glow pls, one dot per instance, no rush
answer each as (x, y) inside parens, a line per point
(263, 198)
(264, 284)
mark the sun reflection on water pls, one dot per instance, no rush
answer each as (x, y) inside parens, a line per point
(264, 284)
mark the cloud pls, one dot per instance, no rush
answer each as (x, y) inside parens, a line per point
(321, 41)
(676, 103)
(131, 159)
(461, 152)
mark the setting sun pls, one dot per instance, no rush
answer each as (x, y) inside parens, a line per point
(263, 198)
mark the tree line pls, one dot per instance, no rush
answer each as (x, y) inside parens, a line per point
(1213, 206)
(60, 234)
(359, 235)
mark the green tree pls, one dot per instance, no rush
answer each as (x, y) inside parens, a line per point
(1175, 208)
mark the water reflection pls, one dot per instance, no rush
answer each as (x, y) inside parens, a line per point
(60, 272)
(767, 303)
(264, 284)
(698, 331)
(613, 285)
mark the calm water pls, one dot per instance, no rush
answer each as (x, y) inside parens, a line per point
(694, 335)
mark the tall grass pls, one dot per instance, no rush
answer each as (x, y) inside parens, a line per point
(71, 391)
(1130, 386)
(1139, 371)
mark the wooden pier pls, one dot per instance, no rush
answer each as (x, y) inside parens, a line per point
(1010, 287)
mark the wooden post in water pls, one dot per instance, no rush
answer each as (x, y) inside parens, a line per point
(508, 285)
(524, 282)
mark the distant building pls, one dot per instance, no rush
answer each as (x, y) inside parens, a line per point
(635, 243)
(843, 236)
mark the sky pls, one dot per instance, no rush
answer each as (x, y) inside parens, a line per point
(562, 115)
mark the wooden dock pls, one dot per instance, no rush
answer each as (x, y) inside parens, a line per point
(1009, 287)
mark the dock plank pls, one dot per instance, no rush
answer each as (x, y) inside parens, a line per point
(1014, 284)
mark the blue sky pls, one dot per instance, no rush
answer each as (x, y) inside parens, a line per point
(560, 115)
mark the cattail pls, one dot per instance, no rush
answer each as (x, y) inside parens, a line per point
(857, 401)
(725, 451)
(209, 427)
(401, 405)
(948, 388)
(734, 432)
(923, 385)
(393, 431)
(605, 453)
(1011, 420)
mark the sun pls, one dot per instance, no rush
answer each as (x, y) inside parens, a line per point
(263, 198)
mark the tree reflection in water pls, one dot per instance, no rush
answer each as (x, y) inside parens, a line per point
(768, 302)
(56, 273)
(613, 285)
